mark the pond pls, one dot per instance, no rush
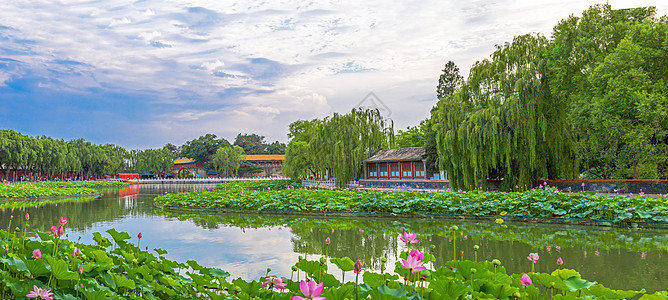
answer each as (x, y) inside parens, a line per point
(247, 244)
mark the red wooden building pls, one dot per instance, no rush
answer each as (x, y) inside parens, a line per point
(397, 164)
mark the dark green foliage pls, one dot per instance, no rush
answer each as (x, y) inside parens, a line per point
(203, 148)
(532, 203)
(336, 146)
(591, 100)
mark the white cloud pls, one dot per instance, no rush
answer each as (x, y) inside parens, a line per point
(272, 61)
(150, 35)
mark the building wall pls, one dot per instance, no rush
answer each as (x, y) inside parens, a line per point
(397, 170)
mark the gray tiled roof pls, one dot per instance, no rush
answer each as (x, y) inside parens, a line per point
(402, 154)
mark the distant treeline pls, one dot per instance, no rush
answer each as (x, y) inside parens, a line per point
(48, 156)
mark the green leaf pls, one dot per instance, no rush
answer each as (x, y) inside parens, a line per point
(101, 257)
(108, 280)
(15, 265)
(122, 282)
(575, 284)
(38, 267)
(345, 263)
(160, 251)
(119, 237)
(60, 270)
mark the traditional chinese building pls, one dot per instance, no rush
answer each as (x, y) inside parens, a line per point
(399, 164)
(188, 166)
(272, 163)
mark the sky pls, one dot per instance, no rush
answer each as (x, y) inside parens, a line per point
(141, 74)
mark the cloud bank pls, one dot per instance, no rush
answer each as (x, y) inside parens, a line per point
(142, 74)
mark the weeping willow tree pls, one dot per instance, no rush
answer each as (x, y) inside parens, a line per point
(336, 146)
(502, 122)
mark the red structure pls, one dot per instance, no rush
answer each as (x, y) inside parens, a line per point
(398, 164)
(128, 176)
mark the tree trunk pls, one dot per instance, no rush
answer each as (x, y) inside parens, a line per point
(575, 167)
(635, 164)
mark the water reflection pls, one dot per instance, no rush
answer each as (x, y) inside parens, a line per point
(246, 244)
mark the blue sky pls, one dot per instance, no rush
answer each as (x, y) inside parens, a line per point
(144, 73)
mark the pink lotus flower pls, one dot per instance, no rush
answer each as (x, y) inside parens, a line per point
(310, 291)
(526, 280)
(63, 221)
(54, 229)
(27, 217)
(36, 236)
(36, 254)
(409, 238)
(358, 267)
(40, 293)
(61, 230)
(560, 261)
(413, 264)
(274, 282)
(139, 235)
(417, 254)
(328, 241)
(533, 257)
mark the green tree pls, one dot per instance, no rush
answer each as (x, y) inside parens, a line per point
(203, 148)
(503, 123)
(251, 143)
(275, 148)
(228, 160)
(338, 145)
(411, 137)
(449, 80)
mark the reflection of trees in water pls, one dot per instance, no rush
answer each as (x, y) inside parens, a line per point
(113, 204)
(369, 248)
(620, 249)
(510, 244)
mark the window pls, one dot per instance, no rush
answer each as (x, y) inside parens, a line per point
(419, 170)
(382, 170)
(373, 171)
(394, 169)
(407, 169)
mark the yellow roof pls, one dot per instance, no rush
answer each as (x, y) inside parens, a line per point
(184, 161)
(265, 157)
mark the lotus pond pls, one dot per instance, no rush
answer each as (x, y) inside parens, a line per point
(245, 245)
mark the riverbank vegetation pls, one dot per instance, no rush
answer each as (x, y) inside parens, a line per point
(31, 190)
(27, 155)
(276, 184)
(538, 203)
(48, 265)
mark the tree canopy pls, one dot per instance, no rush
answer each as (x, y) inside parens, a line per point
(592, 99)
(336, 146)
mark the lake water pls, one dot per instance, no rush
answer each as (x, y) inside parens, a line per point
(247, 244)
